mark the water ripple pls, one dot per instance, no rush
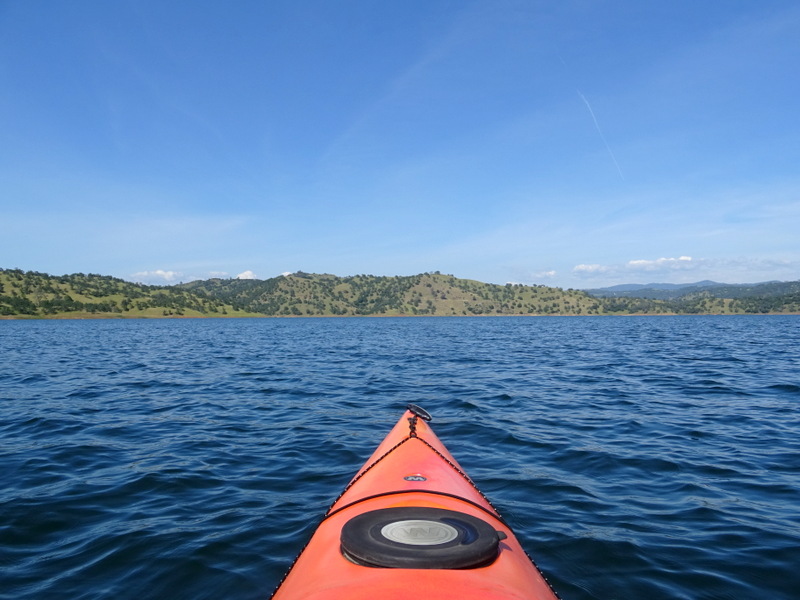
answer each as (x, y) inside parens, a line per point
(191, 459)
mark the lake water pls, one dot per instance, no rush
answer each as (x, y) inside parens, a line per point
(635, 457)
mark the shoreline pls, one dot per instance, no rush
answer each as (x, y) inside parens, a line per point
(118, 317)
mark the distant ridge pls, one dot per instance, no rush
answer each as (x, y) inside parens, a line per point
(39, 295)
(632, 287)
(671, 291)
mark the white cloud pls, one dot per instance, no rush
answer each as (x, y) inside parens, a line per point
(157, 276)
(591, 269)
(661, 264)
(627, 272)
(685, 269)
(246, 275)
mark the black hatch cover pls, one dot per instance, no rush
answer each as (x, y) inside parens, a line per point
(419, 538)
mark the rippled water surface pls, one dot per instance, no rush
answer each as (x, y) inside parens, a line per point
(635, 457)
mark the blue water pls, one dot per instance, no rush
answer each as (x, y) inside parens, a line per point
(635, 457)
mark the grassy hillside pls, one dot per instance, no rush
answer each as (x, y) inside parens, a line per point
(31, 294)
(426, 294)
(304, 294)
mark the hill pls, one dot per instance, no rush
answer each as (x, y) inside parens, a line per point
(425, 294)
(32, 294)
(305, 294)
(38, 295)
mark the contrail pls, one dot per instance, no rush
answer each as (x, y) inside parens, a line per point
(602, 137)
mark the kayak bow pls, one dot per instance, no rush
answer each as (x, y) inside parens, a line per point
(412, 524)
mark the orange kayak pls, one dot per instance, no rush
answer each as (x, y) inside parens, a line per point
(412, 524)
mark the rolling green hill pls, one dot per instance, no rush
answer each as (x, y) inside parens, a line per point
(305, 294)
(426, 294)
(32, 294)
(38, 295)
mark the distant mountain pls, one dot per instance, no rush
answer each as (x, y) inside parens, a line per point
(39, 295)
(672, 291)
(633, 287)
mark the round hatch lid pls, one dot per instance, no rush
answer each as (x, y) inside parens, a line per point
(419, 538)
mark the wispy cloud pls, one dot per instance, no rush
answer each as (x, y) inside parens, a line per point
(686, 268)
(591, 269)
(602, 137)
(659, 265)
(168, 277)
(529, 277)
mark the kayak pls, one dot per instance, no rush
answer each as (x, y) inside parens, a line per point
(412, 524)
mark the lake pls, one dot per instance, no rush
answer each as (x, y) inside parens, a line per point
(635, 457)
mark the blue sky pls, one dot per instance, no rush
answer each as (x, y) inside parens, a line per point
(574, 143)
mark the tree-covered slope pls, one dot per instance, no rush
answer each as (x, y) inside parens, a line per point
(304, 294)
(28, 293)
(425, 294)
(31, 294)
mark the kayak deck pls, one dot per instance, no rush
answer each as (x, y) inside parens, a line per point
(411, 523)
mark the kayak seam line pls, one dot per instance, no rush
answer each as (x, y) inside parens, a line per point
(468, 479)
(492, 513)
(328, 512)
(494, 508)
(364, 472)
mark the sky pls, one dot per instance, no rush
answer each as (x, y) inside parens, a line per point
(570, 143)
